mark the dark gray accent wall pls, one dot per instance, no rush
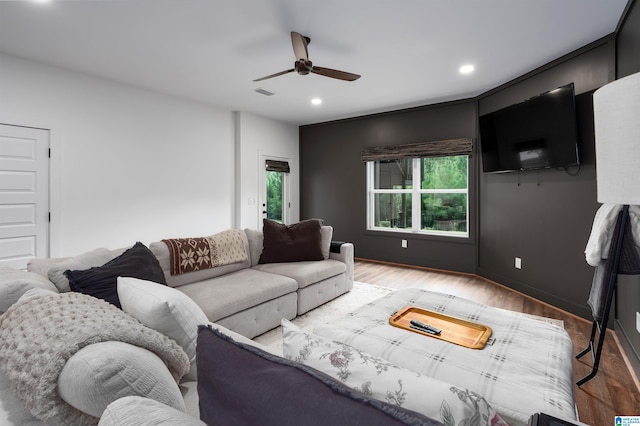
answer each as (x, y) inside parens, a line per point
(628, 42)
(545, 217)
(333, 183)
(628, 295)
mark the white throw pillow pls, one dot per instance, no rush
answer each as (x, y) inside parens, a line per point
(104, 372)
(166, 310)
(380, 379)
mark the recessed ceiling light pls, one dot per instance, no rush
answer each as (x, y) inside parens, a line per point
(316, 101)
(466, 69)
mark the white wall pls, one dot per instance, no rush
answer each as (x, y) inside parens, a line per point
(257, 137)
(127, 164)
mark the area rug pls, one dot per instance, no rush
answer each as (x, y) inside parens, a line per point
(360, 295)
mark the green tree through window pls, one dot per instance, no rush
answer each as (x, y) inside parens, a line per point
(275, 195)
(427, 195)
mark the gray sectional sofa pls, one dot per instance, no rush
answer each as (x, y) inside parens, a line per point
(251, 298)
(245, 298)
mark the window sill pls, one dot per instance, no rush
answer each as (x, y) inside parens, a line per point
(440, 235)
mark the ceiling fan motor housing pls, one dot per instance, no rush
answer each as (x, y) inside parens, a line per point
(303, 67)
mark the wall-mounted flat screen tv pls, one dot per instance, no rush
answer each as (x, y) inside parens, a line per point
(539, 133)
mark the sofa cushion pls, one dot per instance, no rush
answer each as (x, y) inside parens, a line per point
(140, 411)
(161, 252)
(306, 272)
(41, 265)
(240, 384)
(223, 296)
(166, 310)
(14, 283)
(101, 281)
(326, 234)
(101, 373)
(291, 243)
(55, 272)
(254, 238)
(378, 378)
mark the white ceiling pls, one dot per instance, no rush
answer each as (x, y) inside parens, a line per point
(407, 51)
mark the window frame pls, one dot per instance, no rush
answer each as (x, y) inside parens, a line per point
(416, 193)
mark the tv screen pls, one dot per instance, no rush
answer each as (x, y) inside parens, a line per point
(538, 133)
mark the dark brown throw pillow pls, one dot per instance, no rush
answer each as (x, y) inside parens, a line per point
(240, 384)
(291, 243)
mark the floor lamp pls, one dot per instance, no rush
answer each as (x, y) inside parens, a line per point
(616, 108)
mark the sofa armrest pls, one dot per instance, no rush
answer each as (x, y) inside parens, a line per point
(345, 255)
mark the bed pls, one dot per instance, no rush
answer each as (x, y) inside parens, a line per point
(525, 368)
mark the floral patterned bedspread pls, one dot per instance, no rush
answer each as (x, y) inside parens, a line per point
(527, 369)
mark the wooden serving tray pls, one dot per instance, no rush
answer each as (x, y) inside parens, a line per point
(454, 330)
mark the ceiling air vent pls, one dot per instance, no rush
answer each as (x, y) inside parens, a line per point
(264, 92)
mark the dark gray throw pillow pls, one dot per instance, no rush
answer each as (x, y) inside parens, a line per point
(240, 384)
(291, 243)
(101, 281)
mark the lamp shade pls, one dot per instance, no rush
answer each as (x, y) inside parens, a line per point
(616, 109)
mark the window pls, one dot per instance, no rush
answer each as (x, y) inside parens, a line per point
(426, 195)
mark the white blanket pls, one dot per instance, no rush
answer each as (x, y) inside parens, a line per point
(38, 334)
(601, 232)
(527, 369)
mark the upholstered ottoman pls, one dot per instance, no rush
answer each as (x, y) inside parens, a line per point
(527, 368)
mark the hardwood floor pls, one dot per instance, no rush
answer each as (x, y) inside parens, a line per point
(613, 391)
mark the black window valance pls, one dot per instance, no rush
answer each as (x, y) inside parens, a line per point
(443, 148)
(277, 166)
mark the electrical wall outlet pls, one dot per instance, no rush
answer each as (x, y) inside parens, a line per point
(518, 263)
(404, 243)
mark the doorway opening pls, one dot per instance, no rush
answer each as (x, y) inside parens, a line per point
(276, 204)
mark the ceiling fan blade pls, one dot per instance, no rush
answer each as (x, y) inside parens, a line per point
(341, 75)
(275, 75)
(300, 46)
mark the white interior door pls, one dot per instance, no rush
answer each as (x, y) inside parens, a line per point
(24, 195)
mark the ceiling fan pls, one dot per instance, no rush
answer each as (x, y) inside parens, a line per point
(304, 66)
